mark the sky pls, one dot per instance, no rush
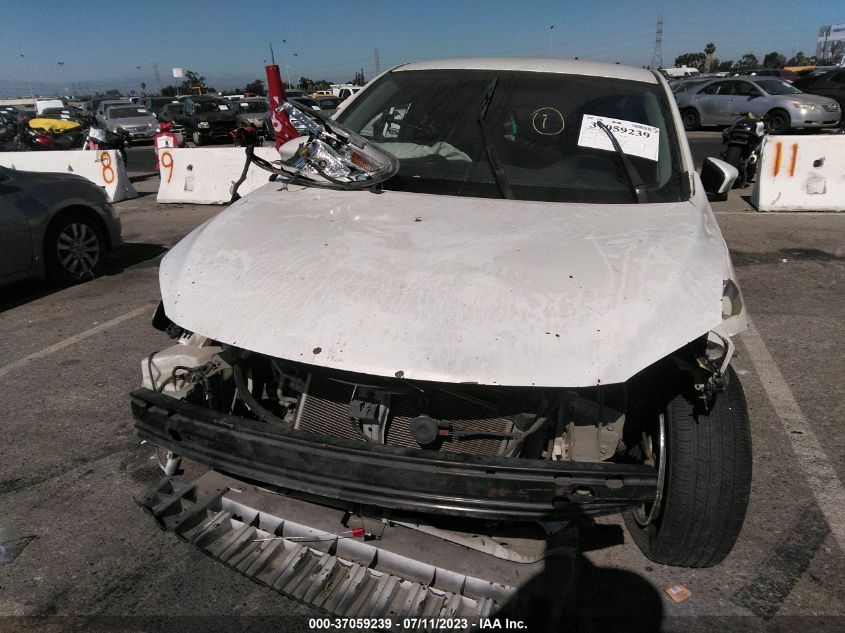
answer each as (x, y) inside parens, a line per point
(103, 44)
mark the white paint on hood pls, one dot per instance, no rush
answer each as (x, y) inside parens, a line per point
(452, 289)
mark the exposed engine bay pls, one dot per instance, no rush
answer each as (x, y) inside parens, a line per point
(556, 424)
(586, 424)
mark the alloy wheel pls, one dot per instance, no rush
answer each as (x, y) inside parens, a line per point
(78, 249)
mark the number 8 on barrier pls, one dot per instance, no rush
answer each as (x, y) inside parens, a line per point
(108, 172)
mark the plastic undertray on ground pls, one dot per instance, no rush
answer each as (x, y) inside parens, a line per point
(306, 551)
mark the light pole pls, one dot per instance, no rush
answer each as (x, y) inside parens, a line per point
(64, 78)
(28, 78)
(551, 30)
(285, 60)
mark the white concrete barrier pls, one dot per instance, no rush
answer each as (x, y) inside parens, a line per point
(205, 175)
(801, 173)
(105, 168)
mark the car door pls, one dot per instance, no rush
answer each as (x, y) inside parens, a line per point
(15, 235)
(712, 100)
(743, 98)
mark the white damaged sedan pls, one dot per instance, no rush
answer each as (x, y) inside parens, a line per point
(526, 314)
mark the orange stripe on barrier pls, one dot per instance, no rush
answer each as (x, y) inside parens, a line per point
(794, 158)
(778, 148)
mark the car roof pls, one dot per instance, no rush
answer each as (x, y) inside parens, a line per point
(537, 65)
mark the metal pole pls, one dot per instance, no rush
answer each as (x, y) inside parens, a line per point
(551, 29)
(29, 80)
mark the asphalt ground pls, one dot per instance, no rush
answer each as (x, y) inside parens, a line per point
(89, 559)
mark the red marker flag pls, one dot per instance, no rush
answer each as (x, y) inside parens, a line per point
(282, 127)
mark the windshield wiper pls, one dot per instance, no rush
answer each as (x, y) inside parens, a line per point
(497, 167)
(638, 187)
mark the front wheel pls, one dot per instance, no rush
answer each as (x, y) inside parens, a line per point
(778, 122)
(691, 119)
(704, 481)
(74, 249)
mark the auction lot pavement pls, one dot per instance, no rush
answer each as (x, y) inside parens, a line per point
(71, 466)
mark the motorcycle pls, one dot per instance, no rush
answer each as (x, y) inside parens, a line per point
(8, 132)
(97, 138)
(741, 143)
(245, 134)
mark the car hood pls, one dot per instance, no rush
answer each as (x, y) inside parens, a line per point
(135, 121)
(805, 97)
(451, 289)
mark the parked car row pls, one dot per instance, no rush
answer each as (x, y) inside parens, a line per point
(720, 101)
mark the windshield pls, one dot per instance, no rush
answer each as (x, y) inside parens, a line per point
(210, 106)
(303, 101)
(328, 103)
(541, 130)
(687, 85)
(128, 113)
(777, 87)
(253, 106)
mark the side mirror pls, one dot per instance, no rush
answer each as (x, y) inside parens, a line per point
(718, 177)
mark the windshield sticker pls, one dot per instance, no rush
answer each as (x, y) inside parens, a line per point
(635, 139)
(547, 121)
(142, 110)
(223, 107)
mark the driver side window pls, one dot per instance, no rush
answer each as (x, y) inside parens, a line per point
(718, 88)
(745, 89)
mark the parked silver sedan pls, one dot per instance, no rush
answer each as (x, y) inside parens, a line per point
(58, 226)
(719, 102)
(136, 121)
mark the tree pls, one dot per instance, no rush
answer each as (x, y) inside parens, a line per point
(256, 87)
(774, 60)
(725, 65)
(749, 60)
(309, 85)
(709, 49)
(694, 60)
(799, 60)
(194, 82)
(114, 92)
(168, 91)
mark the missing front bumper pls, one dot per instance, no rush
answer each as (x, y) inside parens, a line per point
(387, 476)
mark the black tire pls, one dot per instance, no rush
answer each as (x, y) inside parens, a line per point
(778, 122)
(197, 138)
(691, 119)
(74, 248)
(707, 482)
(733, 155)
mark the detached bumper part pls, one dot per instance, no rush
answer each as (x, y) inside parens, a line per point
(472, 486)
(261, 535)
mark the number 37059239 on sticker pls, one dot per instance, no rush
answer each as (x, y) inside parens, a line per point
(635, 139)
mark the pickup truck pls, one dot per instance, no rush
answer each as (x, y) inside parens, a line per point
(204, 118)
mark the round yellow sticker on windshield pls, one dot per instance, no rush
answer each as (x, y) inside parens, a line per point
(547, 121)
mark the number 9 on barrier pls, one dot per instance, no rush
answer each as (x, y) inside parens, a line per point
(166, 161)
